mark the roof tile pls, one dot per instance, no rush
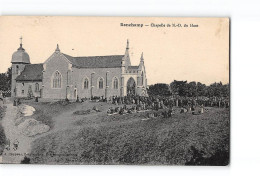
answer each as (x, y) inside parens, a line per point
(96, 61)
(31, 72)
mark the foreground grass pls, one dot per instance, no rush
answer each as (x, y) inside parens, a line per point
(182, 139)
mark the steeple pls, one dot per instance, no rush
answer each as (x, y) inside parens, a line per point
(126, 58)
(127, 48)
(141, 64)
(21, 44)
(57, 49)
(142, 57)
(127, 44)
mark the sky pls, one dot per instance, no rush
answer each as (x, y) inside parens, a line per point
(170, 53)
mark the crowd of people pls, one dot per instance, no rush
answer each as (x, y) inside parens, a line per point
(168, 104)
(164, 106)
(157, 102)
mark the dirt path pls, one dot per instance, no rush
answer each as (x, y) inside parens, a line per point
(13, 135)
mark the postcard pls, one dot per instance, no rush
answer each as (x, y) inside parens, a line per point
(114, 90)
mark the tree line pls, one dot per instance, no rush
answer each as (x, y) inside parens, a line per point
(6, 80)
(189, 89)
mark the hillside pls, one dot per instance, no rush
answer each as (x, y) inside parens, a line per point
(96, 138)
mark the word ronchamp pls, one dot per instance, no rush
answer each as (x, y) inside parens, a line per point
(131, 25)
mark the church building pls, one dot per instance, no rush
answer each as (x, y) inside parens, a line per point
(63, 76)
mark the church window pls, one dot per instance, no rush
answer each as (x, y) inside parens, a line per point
(85, 86)
(22, 84)
(22, 91)
(115, 83)
(17, 69)
(37, 87)
(56, 80)
(100, 83)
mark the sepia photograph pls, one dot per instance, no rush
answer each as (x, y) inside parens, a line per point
(115, 90)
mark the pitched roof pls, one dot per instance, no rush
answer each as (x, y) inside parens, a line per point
(96, 61)
(31, 72)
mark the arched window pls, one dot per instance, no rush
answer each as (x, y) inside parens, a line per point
(17, 69)
(37, 87)
(56, 80)
(100, 83)
(85, 84)
(115, 83)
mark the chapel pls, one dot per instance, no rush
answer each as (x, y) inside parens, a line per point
(63, 76)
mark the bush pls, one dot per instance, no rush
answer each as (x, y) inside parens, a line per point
(82, 112)
(2, 133)
(26, 160)
(2, 112)
(2, 139)
(219, 158)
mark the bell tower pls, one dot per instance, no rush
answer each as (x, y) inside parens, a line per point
(20, 58)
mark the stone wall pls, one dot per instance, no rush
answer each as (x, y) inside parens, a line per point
(15, 72)
(23, 87)
(94, 75)
(57, 62)
(72, 84)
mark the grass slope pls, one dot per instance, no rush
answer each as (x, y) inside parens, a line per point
(100, 139)
(45, 111)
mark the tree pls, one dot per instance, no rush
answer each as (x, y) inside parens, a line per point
(9, 77)
(179, 88)
(217, 90)
(5, 80)
(225, 90)
(201, 89)
(192, 89)
(159, 89)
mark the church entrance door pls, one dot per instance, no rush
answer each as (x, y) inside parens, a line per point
(131, 85)
(75, 93)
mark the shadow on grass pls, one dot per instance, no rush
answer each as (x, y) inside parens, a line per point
(219, 158)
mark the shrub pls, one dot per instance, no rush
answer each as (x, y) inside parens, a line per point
(2, 139)
(26, 160)
(219, 158)
(2, 133)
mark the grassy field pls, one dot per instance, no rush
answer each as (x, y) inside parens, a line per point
(96, 138)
